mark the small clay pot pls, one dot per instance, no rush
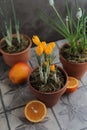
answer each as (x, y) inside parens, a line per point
(76, 70)
(13, 58)
(49, 98)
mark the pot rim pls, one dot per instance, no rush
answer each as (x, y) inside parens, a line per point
(14, 35)
(49, 93)
(72, 63)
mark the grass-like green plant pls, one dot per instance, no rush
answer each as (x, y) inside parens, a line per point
(7, 23)
(72, 30)
(16, 22)
(45, 59)
(8, 37)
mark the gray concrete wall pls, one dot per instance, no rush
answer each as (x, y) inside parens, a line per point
(31, 24)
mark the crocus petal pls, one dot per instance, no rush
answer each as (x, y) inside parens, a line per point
(39, 50)
(36, 40)
(52, 44)
(48, 50)
(52, 68)
(43, 43)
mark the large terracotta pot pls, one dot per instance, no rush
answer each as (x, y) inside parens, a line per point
(49, 98)
(76, 70)
(23, 56)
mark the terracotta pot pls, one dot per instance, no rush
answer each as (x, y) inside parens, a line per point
(76, 70)
(23, 56)
(49, 98)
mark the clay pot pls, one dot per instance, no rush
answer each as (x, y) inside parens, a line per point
(76, 70)
(49, 98)
(23, 56)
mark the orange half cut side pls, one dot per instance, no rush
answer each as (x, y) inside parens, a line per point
(72, 84)
(35, 111)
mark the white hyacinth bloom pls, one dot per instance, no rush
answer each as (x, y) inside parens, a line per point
(51, 2)
(79, 13)
(67, 18)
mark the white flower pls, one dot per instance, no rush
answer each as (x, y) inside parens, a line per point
(51, 2)
(79, 13)
(67, 18)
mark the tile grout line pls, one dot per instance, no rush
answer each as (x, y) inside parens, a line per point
(5, 111)
(56, 119)
(12, 109)
(30, 64)
(1, 112)
(83, 83)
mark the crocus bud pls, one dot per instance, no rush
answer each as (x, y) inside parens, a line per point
(39, 50)
(45, 63)
(48, 50)
(36, 40)
(79, 13)
(52, 44)
(52, 68)
(43, 43)
(51, 2)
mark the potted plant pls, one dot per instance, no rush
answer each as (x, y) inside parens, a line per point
(73, 54)
(47, 81)
(13, 47)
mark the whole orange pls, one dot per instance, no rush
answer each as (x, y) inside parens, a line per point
(19, 72)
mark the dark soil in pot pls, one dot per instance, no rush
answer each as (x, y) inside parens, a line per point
(16, 47)
(51, 85)
(74, 64)
(17, 52)
(75, 58)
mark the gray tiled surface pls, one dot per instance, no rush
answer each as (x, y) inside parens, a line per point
(3, 122)
(18, 121)
(70, 113)
(84, 79)
(1, 107)
(16, 95)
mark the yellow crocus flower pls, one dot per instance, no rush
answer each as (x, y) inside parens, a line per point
(52, 44)
(52, 68)
(39, 50)
(36, 40)
(48, 50)
(43, 43)
(45, 63)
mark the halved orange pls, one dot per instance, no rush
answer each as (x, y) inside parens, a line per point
(72, 84)
(35, 111)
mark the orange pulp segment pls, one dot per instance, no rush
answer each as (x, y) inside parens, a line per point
(72, 84)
